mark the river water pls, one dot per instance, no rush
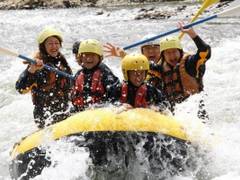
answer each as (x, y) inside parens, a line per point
(117, 25)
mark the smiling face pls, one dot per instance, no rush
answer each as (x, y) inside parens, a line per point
(137, 77)
(52, 46)
(172, 56)
(152, 52)
(89, 60)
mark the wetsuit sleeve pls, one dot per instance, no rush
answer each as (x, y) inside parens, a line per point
(25, 82)
(195, 65)
(111, 83)
(115, 94)
(73, 81)
(156, 98)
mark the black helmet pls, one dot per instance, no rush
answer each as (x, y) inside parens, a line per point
(75, 47)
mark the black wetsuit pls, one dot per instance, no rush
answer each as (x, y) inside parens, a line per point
(50, 92)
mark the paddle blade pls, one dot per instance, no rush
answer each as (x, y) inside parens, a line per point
(205, 5)
(7, 52)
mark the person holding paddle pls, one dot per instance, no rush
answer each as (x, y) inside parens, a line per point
(178, 74)
(182, 72)
(50, 91)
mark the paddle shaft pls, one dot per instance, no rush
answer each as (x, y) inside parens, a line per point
(170, 32)
(228, 12)
(205, 5)
(14, 54)
(47, 67)
(192, 20)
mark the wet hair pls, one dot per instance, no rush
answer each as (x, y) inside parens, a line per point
(75, 47)
(59, 58)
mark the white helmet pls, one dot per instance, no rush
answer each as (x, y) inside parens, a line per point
(149, 43)
(151, 49)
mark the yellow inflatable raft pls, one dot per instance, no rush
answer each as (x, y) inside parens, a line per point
(105, 127)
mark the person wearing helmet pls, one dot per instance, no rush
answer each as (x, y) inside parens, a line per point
(95, 81)
(134, 91)
(181, 72)
(150, 49)
(49, 91)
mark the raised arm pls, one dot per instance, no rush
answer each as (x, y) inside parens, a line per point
(195, 65)
(112, 50)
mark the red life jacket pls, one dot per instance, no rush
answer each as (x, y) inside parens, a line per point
(97, 89)
(140, 98)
